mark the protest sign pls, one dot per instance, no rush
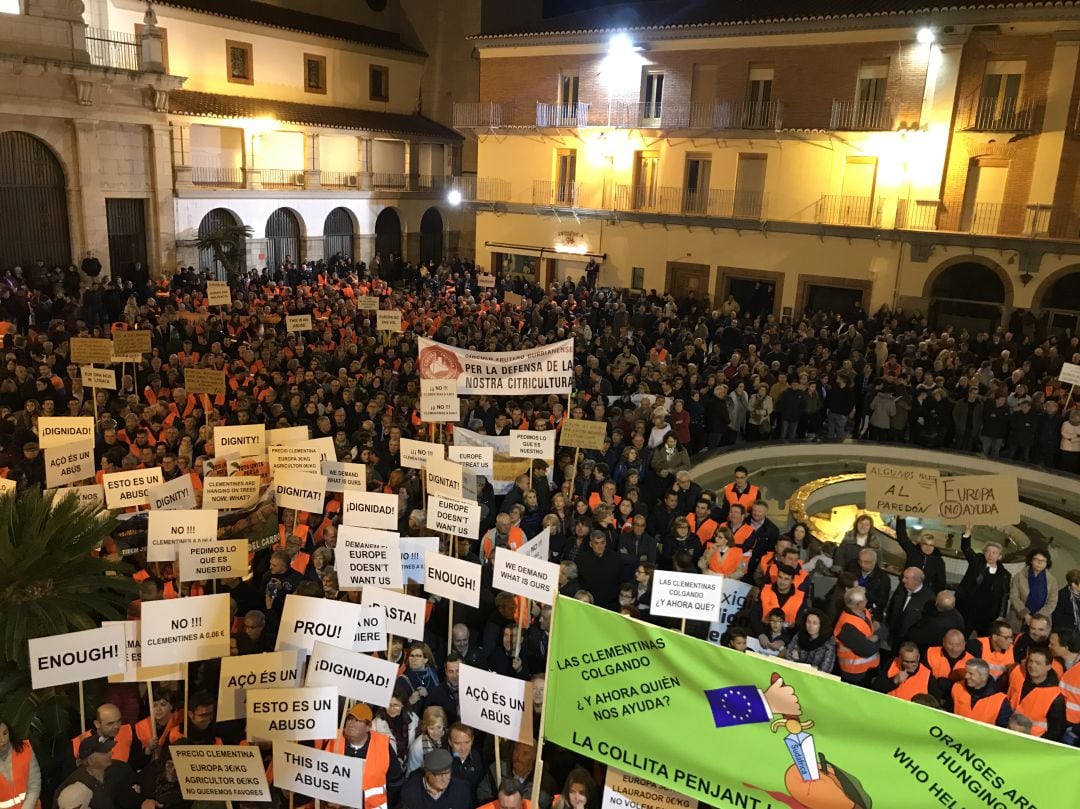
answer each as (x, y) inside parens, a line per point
(627, 678)
(295, 458)
(357, 676)
(204, 380)
(371, 557)
(220, 773)
(525, 576)
(241, 491)
(625, 791)
(286, 435)
(69, 463)
(7, 486)
(583, 434)
(979, 500)
(132, 488)
(439, 400)
(504, 468)
(218, 294)
(388, 320)
(539, 547)
(327, 777)
(733, 595)
(294, 714)
(305, 620)
(98, 378)
(533, 444)
(120, 359)
(1069, 374)
(370, 510)
(686, 595)
(75, 656)
(341, 476)
(90, 350)
(246, 439)
(133, 343)
(449, 516)
(168, 529)
(371, 633)
(906, 491)
(456, 579)
(546, 369)
(251, 466)
(450, 479)
(412, 556)
(298, 323)
(184, 629)
(512, 299)
(478, 460)
(416, 454)
(299, 490)
(54, 431)
(367, 303)
(134, 671)
(176, 493)
(485, 281)
(241, 672)
(91, 496)
(492, 703)
(222, 559)
(404, 613)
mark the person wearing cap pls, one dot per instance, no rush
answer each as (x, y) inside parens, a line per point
(435, 787)
(112, 783)
(109, 724)
(924, 555)
(382, 771)
(20, 776)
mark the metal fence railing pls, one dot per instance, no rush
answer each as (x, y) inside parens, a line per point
(116, 49)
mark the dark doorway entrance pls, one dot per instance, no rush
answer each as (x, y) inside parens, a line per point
(33, 204)
(833, 299)
(754, 297)
(387, 237)
(215, 221)
(282, 239)
(684, 280)
(126, 219)
(968, 296)
(431, 236)
(338, 234)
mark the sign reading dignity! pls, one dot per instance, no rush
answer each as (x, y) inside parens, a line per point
(243, 439)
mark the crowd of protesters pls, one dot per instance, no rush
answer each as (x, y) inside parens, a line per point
(671, 379)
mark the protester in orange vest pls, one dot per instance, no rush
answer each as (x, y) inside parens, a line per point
(154, 730)
(1039, 698)
(109, 724)
(700, 522)
(739, 491)
(503, 535)
(382, 770)
(781, 596)
(978, 697)
(508, 797)
(997, 650)
(907, 676)
(1065, 646)
(22, 789)
(947, 661)
(722, 557)
(857, 645)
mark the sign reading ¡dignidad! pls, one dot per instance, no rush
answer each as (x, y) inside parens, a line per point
(547, 369)
(53, 431)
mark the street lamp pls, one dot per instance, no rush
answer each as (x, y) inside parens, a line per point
(454, 197)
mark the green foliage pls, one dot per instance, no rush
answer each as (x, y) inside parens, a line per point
(227, 245)
(50, 584)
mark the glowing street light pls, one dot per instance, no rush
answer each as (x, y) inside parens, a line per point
(925, 36)
(454, 197)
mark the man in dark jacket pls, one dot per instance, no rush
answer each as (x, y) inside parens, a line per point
(984, 591)
(967, 417)
(995, 425)
(923, 555)
(1023, 426)
(435, 787)
(717, 416)
(839, 407)
(907, 605)
(600, 572)
(875, 581)
(1048, 434)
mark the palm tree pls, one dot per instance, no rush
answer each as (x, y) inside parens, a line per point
(50, 584)
(226, 242)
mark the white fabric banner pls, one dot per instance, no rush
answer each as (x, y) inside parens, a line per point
(546, 369)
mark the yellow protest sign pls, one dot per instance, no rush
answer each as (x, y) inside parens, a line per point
(906, 491)
(131, 343)
(582, 433)
(204, 380)
(88, 350)
(979, 500)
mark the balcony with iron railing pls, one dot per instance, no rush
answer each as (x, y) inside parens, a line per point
(115, 49)
(710, 116)
(861, 116)
(1000, 115)
(480, 189)
(562, 116)
(986, 218)
(220, 176)
(389, 179)
(555, 193)
(281, 179)
(714, 202)
(838, 209)
(342, 180)
(483, 114)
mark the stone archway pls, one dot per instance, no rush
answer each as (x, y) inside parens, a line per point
(33, 204)
(431, 236)
(968, 292)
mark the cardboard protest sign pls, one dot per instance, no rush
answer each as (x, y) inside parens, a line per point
(449, 516)
(452, 578)
(492, 703)
(91, 496)
(222, 559)
(218, 294)
(168, 529)
(7, 486)
(906, 491)
(327, 777)
(341, 476)
(371, 634)
(416, 454)
(582, 433)
(204, 380)
(388, 320)
(299, 490)
(176, 493)
(103, 378)
(120, 359)
(132, 488)
(370, 510)
(183, 629)
(478, 460)
(53, 431)
(220, 773)
(512, 299)
(241, 672)
(686, 595)
(90, 350)
(449, 479)
(533, 444)
(367, 303)
(412, 556)
(1069, 374)
(298, 323)
(525, 576)
(371, 558)
(132, 343)
(75, 656)
(246, 439)
(294, 714)
(286, 435)
(307, 620)
(439, 400)
(295, 458)
(979, 500)
(69, 463)
(134, 671)
(404, 613)
(625, 791)
(357, 676)
(733, 595)
(241, 491)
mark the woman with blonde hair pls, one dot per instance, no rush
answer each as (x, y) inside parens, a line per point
(863, 534)
(431, 736)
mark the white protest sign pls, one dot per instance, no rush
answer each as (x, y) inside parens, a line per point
(404, 613)
(91, 496)
(132, 488)
(357, 676)
(371, 633)
(239, 491)
(686, 595)
(183, 629)
(416, 454)
(479, 460)
(439, 400)
(388, 320)
(286, 435)
(7, 486)
(220, 773)
(53, 431)
(533, 444)
(306, 620)
(341, 476)
(370, 558)
(449, 516)
(492, 703)
(412, 556)
(295, 458)
(456, 579)
(1070, 373)
(327, 777)
(69, 463)
(325, 446)
(103, 378)
(485, 281)
(298, 323)
(76, 656)
(539, 547)
(245, 439)
(221, 559)
(134, 671)
(625, 791)
(241, 672)
(176, 493)
(217, 293)
(367, 303)
(300, 491)
(450, 479)
(733, 595)
(370, 510)
(295, 714)
(525, 576)
(167, 530)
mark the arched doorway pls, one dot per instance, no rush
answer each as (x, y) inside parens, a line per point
(1061, 304)
(967, 295)
(33, 204)
(431, 236)
(338, 234)
(387, 237)
(282, 239)
(214, 223)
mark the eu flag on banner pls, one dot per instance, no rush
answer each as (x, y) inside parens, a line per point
(738, 705)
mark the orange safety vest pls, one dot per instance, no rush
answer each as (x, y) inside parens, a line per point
(376, 765)
(704, 531)
(770, 602)
(1016, 674)
(1069, 683)
(13, 792)
(122, 750)
(515, 540)
(740, 535)
(524, 803)
(999, 662)
(1035, 706)
(594, 500)
(746, 499)
(727, 563)
(917, 683)
(986, 710)
(851, 663)
(145, 730)
(942, 668)
(177, 733)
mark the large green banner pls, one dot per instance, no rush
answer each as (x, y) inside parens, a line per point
(737, 730)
